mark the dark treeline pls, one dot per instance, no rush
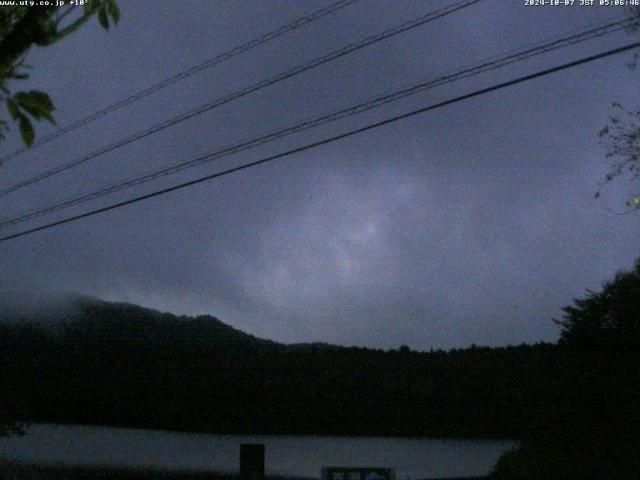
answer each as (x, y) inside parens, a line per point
(118, 364)
(593, 432)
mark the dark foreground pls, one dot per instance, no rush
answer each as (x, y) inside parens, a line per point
(70, 472)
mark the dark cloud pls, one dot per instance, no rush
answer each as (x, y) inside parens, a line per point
(472, 224)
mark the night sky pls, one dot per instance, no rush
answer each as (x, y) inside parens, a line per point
(474, 223)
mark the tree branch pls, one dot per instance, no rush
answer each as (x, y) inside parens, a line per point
(33, 28)
(73, 26)
(61, 16)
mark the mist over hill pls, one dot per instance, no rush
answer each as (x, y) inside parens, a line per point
(119, 364)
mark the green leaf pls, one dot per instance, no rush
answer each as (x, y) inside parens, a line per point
(114, 11)
(89, 7)
(36, 103)
(103, 18)
(26, 130)
(3, 129)
(35, 99)
(13, 108)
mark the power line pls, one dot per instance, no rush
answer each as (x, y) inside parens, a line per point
(335, 138)
(517, 56)
(267, 37)
(411, 24)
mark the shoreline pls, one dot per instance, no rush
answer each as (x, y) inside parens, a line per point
(83, 472)
(436, 435)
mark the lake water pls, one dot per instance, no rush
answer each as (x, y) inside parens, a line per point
(288, 455)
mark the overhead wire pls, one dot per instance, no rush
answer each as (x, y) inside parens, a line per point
(331, 139)
(256, 42)
(495, 63)
(346, 50)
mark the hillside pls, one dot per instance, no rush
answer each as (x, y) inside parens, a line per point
(90, 319)
(121, 364)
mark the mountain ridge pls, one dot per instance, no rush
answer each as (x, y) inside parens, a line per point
(120, 364)
(115, 320)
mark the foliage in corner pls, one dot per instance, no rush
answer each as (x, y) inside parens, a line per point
(621, 136)
(22, 27)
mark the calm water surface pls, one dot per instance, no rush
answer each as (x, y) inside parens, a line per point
(302, 456)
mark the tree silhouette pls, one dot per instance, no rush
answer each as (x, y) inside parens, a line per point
(591, 430)
(609, 318)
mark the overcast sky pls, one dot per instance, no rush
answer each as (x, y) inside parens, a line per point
(474, 223)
